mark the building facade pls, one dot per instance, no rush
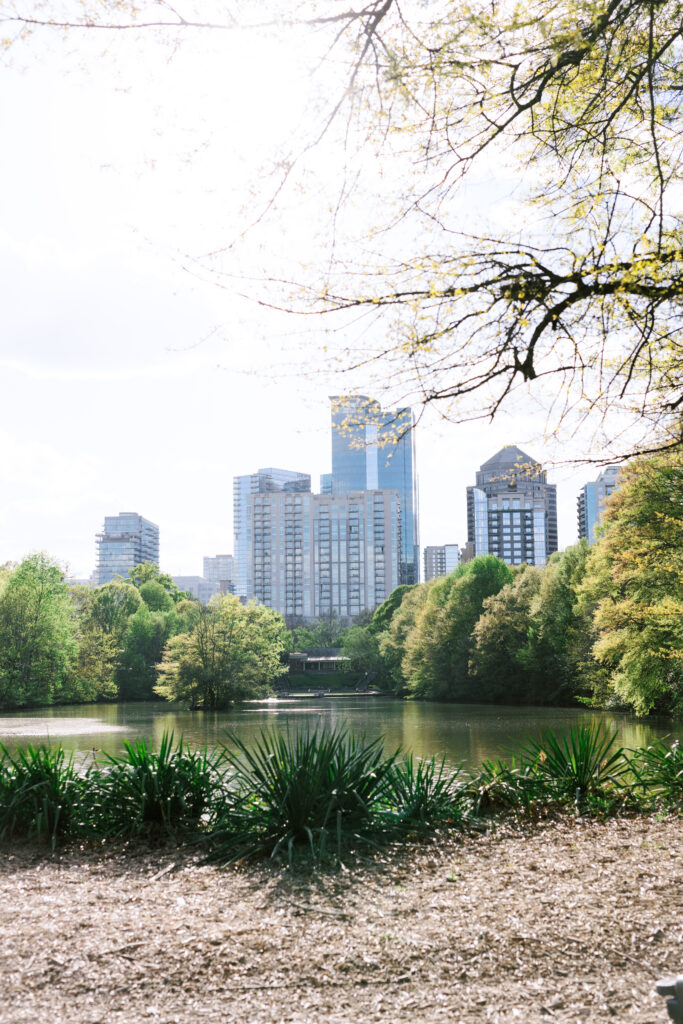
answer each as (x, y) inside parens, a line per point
(591, 502)
(440, 560)
(373, 450)
(198, 586)
(314, 555)
(127, 540)
(264, 481)
(220, 569)
(512, 510)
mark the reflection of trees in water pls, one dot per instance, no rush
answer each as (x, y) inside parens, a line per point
(463, 732)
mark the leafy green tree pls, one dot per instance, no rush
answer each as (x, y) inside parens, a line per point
(385, 612)
(361, 647)
(148, 572)
(325, 632)
(500, 634)
(438, 648)
(392, 641)
(37, 632)
(143, 644)
(232, 653)
(634, 582)
(103, 616)
(155, 596)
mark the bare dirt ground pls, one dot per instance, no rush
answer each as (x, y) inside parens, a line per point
(570, 921)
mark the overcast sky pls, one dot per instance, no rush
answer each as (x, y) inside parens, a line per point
(131, 380)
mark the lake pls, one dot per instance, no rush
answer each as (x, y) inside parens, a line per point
(462, 732)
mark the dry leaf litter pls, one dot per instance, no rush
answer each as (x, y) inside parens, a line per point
(570, 921)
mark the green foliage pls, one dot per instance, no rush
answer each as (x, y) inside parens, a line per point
(658, 769)
(38, 794)
(361, 647)
(580, 765)
(142, 646)
(383, 615)
(393, 641)
(316, 790)
(233, 652)
(327, 632)
(634, 583)
(37, 633)
(437, 649)
(147, 573)
(426, 793)
(501, 786)
(155, 596)
(147, 793)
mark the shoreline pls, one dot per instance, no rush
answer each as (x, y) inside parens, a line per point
(569, 920)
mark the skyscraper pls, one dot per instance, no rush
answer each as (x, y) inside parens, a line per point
(265, 481)
(375, 450)
(315, 555)
(512, 510)
(126, 541)
(591, 501)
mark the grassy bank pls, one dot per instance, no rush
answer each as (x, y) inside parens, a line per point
(321, 795)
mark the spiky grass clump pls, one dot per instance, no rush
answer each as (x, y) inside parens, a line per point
(580, 767)
(316, 790)
(658, 770)
(505, 786)
(147, 793)
(426, 793)
(39, 791)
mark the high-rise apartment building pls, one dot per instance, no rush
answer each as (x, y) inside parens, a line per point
(198, 586)
(512, 510)
(440, 560)
(312, 555)
(126, 541)
(220, 569)
(373, 450)
(591, 501)
(265, 481)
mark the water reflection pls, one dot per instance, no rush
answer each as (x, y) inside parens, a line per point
(462, 732)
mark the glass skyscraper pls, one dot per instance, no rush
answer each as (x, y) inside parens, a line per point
(373, 450)
(512, 510)
(126, 541)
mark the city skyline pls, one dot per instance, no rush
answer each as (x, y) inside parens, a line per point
(131, 380)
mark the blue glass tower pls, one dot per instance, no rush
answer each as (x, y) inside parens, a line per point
(375, 450)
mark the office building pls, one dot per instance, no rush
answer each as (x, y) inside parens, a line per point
(512, 509)
(313, 555)
(126, 541)
(200, 588)
(440, 561)
(220, 569)
(375, 450)
(591, 501)
(265, 481)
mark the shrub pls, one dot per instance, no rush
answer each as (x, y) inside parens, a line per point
(425, 793)
(659, 770)
(148, 793)
(580, 766)
(319, 790)
(39, 789)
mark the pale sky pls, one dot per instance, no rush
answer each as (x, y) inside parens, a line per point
(131, 380)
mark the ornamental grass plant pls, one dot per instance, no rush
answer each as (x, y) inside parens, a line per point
(147, 793)
(317, 791)
(658, 771)
(425, 793)
(39, 793)
(583, 766)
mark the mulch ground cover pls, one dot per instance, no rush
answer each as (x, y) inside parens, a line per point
(564, 921)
